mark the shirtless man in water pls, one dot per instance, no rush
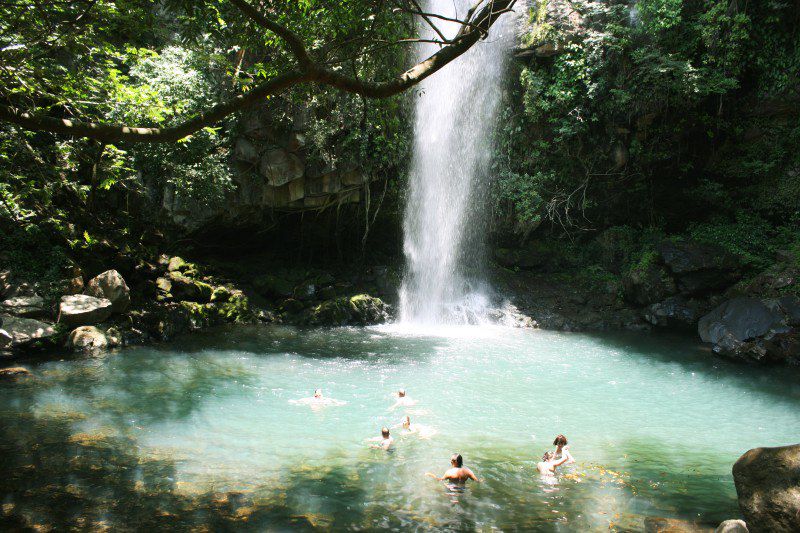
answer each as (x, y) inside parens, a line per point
(547, 466)
(385, 441)
(458, 474)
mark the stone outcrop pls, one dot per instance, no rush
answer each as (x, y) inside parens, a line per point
(768, 485)
(25, 331)
(83, 310)
(111, 286)
(271, 170)
(754, 329)
(675, 311)
(650, 283)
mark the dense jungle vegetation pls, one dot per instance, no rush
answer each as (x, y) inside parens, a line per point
(651, 117)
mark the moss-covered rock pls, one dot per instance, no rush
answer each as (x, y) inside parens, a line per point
(188, 289)
(361, 309)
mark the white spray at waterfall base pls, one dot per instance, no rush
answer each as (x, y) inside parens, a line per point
(444, 226)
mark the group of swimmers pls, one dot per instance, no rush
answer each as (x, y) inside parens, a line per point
(457, 474)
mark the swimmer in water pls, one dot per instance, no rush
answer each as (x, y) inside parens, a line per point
(403, 400)
(385, 441)
(424, 432)
(457, 474)
(317, 401)
(547, 466)
(562, 449)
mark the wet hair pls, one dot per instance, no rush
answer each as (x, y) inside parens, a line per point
(407, 419)
(561, 440)
(457, 459)
(385, 432)
(547, 456)
(401, 392)
(317, 391)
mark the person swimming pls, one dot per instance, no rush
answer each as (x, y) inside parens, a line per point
(403, 400)
(547, 466)
(385, 441)
(562, 449)
(457, 474)
(317, 400)
(408, 428)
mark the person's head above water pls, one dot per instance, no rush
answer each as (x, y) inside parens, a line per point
(406, 422)
(385, 432)
(401, 393)
(456, 460)
(547, 456)
(317, 393)
(561, 440)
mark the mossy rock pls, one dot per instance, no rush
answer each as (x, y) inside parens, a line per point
(177, 264)
(271, 286)
(185, 288)
(361, 309)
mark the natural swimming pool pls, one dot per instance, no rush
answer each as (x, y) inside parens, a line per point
(201, 433)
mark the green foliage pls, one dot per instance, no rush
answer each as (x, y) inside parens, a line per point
(647, 110)
(753, 239)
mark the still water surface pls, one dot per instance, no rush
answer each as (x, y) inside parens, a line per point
(203, 433)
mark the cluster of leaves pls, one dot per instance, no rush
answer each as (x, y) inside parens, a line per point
(654, 113)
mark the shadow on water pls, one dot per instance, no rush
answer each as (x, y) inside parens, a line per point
(53, 475)
(316, 343)
(780, 382)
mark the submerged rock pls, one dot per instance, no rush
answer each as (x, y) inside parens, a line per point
(110, 285)
(655, 524)
(768, 485)
(14, 373)
(81, 310)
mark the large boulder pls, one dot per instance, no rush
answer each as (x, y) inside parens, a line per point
(87, 339)
(768, 485)
(743, 318)
(699, 268)
(28, 306)
(111, 286)
(24, 331)
(753, 329)
(83, 310)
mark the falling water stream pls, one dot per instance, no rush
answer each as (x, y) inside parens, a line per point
(444, 217)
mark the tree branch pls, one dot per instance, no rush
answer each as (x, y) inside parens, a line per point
(292, 39)
(111, 133)
(472, 31)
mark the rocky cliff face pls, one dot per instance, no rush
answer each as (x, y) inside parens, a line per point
(271, 171)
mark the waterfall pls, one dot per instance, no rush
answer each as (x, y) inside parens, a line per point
(444, 221)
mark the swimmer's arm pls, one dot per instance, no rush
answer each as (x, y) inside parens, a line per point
(434, 476)
(472, 476)
(563, 460)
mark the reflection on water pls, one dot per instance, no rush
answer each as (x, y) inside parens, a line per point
(202, 435)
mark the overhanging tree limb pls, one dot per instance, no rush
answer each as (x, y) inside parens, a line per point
(473, 28)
